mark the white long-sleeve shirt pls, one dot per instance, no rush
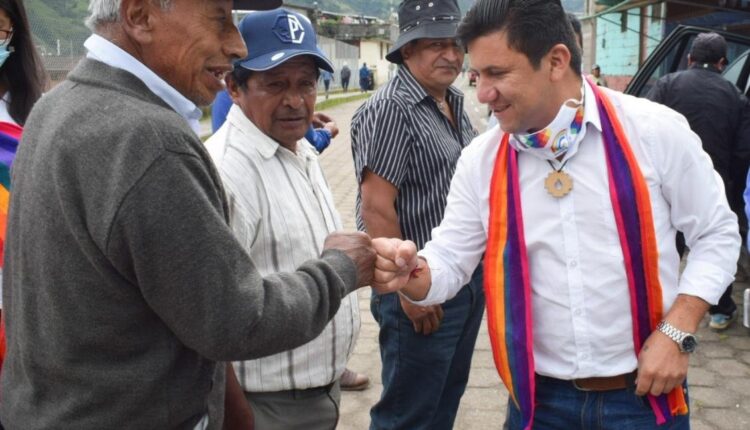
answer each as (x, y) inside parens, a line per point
(582, 323)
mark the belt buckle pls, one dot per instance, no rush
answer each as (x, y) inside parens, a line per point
(578, 387)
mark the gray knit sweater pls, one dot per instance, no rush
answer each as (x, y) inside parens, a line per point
(123, 286)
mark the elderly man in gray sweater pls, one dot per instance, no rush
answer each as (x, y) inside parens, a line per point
(124, 287)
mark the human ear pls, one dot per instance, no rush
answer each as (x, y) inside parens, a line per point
(558, 59)
(138, 19)
(233, 88)
(407, 50)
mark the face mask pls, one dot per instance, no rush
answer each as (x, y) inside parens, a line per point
(4, 54)
(555, 139)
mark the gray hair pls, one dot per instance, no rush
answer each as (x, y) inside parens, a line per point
(106, 11)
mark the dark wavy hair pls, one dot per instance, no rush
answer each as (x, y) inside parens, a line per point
(22, 74)
(533, 27)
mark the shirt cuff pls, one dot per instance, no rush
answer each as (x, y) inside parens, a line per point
(704, 280)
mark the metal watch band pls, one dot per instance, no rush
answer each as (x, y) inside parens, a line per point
(685, 341)
(673, 333)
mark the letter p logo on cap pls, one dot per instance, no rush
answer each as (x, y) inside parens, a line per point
(289, 30)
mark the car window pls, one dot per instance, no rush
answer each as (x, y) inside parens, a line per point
(736, 56)
(733, 70)
(674, 58)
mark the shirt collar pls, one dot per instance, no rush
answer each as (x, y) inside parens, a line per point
(704, 66)
(590, 108)
(102, 50)
(261, 142)
(590, 118)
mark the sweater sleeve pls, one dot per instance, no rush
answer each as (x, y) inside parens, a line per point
(171, 240)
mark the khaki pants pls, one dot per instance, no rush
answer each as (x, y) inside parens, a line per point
(311, 409)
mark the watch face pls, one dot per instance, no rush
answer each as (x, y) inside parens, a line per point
(689, 343)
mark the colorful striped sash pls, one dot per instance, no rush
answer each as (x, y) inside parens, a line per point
(10, 134)
(506, 275)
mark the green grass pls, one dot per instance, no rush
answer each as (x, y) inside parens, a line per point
(322, 92)
(327, 104)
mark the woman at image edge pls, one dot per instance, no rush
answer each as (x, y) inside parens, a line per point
(21, 85)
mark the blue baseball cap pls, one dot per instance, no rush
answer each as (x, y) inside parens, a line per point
(275, 36)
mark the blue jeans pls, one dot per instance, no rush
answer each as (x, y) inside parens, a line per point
(559, 405)
(424, 377)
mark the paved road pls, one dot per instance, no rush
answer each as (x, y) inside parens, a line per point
(719, 373)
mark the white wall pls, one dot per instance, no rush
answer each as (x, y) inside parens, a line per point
(373, 53)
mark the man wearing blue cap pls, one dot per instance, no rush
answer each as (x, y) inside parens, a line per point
(125, 288)
(281, 209)
(406, 141)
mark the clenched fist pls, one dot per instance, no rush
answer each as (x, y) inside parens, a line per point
(358, 247)
(395, 262)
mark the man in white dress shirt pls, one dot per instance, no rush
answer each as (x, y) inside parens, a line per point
(281, 210)
(587, 365)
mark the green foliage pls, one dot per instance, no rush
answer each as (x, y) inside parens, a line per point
(53, 20)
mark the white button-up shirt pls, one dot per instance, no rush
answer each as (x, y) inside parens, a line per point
(281, 211)
(582, 322)
(102, 50)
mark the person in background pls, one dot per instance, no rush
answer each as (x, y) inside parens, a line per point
(714, 109)
(597, 77)
(21, 73)
(326, 76)
(364, 78)
(406, 140)
(21, 85)
(346, 74)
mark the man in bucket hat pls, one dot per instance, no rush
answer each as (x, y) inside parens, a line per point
(281, 210)
(406, 140)
(124, 287)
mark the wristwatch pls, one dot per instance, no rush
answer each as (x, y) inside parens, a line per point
(686, 341)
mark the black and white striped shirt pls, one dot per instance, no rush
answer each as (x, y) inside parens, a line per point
(401, 135)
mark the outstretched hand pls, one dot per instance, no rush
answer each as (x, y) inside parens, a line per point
(321, 120)
(394, 264)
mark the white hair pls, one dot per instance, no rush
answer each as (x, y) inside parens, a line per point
(105, 11)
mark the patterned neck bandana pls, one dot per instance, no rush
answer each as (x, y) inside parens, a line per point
(554, 140)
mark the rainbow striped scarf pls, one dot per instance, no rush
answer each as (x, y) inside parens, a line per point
(506, 275)
(10, 134)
